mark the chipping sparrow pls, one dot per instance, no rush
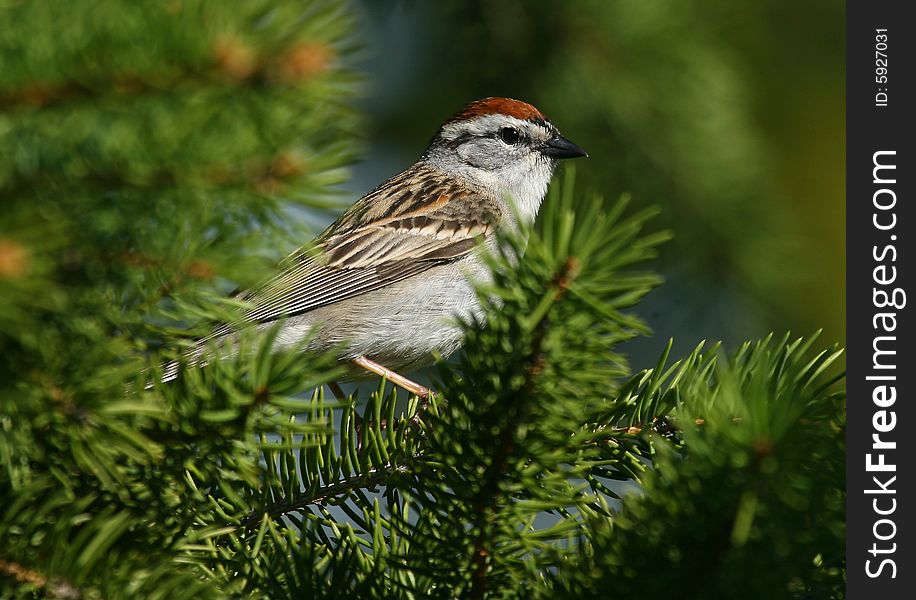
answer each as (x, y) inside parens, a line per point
(396, 269)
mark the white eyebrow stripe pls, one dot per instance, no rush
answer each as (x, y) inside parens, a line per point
(484, 125)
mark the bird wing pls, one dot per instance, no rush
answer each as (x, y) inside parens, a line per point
(382, 239)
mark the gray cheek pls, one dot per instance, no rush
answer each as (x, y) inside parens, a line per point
(489, 155)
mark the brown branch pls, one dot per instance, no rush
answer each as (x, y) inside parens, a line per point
(638, 428)
(370, 479)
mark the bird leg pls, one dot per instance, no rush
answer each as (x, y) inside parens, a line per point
(411, 386)
(337, 391)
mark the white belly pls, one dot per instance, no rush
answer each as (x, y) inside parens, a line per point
(401, 326)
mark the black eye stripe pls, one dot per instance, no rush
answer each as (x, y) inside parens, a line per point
(461, 139)
(498, 135)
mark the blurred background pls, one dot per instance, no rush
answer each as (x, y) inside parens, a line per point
(729, 116)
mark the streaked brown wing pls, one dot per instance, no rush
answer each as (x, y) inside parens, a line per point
(429, 224)
(381, 259)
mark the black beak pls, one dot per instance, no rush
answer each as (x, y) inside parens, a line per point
(559, 147)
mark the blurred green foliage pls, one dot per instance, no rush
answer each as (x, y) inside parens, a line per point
(151, 155)
(147, 153)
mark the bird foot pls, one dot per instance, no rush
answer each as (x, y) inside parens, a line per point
(413, 387)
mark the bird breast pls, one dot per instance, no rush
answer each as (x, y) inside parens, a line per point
(401, 326)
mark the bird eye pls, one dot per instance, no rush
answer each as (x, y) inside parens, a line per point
(510, 135)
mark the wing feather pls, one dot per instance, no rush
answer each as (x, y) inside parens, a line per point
(379, 242)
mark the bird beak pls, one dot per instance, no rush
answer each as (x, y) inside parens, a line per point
(559, 147)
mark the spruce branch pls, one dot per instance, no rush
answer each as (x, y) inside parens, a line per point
(369, 480)
(534, 366)
(759, 430)
(154, 148)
